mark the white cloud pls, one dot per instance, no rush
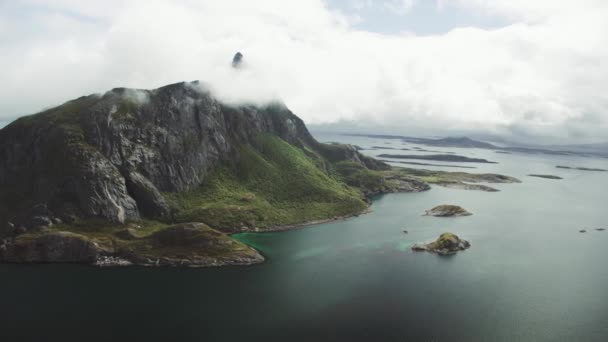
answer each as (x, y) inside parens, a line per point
(545, 74)
(399, 7)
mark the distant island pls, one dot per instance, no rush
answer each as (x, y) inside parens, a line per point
(441, 142)
(426, 164)
(446, 210)
(438, 157)
(455, 180)
(580, 168)
(546, 176)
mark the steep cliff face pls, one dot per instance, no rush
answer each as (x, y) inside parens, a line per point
(114, 156)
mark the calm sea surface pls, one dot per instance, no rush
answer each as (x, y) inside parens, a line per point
(529, 275)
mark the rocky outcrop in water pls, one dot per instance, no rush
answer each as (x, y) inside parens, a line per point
(546, 176)
(447, 210)
(581, 168)
(446, 244)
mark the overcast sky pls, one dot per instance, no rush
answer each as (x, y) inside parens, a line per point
(530, 68)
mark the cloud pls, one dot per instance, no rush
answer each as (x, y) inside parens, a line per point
(542, 75)
(399, 6)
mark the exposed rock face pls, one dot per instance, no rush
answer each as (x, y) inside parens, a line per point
(150, 201)
(112, 156)
(446, 210)
(446, 244)
(51, 247)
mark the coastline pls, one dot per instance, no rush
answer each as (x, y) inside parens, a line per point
(221, 262)
(296, 226)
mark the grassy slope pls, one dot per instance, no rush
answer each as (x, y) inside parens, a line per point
(357, 175)
(273, 184)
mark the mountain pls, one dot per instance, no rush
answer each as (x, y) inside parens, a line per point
(160, 177)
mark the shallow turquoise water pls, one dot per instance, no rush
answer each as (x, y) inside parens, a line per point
(529, 275)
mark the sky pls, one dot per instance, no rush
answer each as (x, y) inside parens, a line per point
(515, 68)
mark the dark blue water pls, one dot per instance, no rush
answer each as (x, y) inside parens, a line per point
(529, 276)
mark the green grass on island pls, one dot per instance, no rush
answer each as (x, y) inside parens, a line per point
(274, 183)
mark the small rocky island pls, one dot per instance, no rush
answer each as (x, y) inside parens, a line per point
(580, 168)
(447, 210)
(446, 244)
(438, 157)
(546, 176)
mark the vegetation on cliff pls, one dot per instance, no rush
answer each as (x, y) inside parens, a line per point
(272, 184)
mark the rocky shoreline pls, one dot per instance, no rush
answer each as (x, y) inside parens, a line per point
(296, 226)
(187, 245)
